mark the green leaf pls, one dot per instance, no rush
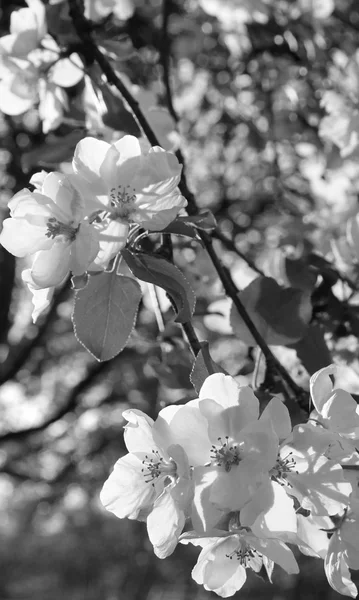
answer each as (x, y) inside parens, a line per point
(157, 270)
(105, 314)
(289, 270)
(280, 315)
(203, 367)
(312, 350)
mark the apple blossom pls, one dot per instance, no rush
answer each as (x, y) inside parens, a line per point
(50, 226)
(222, 563)
(336, 411)
(231, 450)
(152, 482)
(343, 551)
(130, 186)
(32, 70)
(317, 482)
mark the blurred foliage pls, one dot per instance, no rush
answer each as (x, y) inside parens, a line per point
(267, 99)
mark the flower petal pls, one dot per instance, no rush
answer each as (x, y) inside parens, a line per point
(278, 413)
(88, 158)
(321, 386)
(20, 238)
(280, 517)
(50, 267)
(336, 568)
(164, 525)
(84, 249)
(67, 72)
(126, 492)
(278, 552)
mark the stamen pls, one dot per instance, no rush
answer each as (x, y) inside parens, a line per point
(155, 467)
(55, 228)
(225, 456)
(283, 466)
(122, 200)
(244, 554)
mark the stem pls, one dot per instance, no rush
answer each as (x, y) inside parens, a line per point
(165, 54)
(84, 32)
(230, 245)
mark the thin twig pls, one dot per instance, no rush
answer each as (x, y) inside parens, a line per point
(165, 53)
(230, 245)
(84, 32)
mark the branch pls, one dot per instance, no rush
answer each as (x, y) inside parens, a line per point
(165, 53)
(84, 32)
(230, 245)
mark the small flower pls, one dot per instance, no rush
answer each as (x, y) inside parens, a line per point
(336, 411)
(343, 552)
(131, 187)
(231, 450)
(317, 482)
(221, 565)
(32, 70)
(152, 482)
(49, 226)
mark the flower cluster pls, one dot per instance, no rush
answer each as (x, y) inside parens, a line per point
(80, 221)
(243, 485)
(33, 70)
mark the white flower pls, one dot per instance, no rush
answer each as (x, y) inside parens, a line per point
(222, 564)
(49, 227)
(343, 552)
(152, 482)
(27, 28)
(131, 187)
(231, 450)
(335, 409)
(305, 473)
(31, 68)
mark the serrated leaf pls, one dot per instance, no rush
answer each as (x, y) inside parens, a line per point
(105, 314)
(161, 272)
(203, 367)
(280, 315)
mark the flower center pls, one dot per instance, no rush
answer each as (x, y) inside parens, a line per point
(155, 466)
(244, 553)
(225, 454)
(55, 228)
(281, 469)
(122, 201)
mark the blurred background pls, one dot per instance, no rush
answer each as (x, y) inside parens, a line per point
(266, 96)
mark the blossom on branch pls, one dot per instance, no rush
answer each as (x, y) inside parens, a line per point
(50, 226)
(32, 69)
(127, 185)
(152, 482)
